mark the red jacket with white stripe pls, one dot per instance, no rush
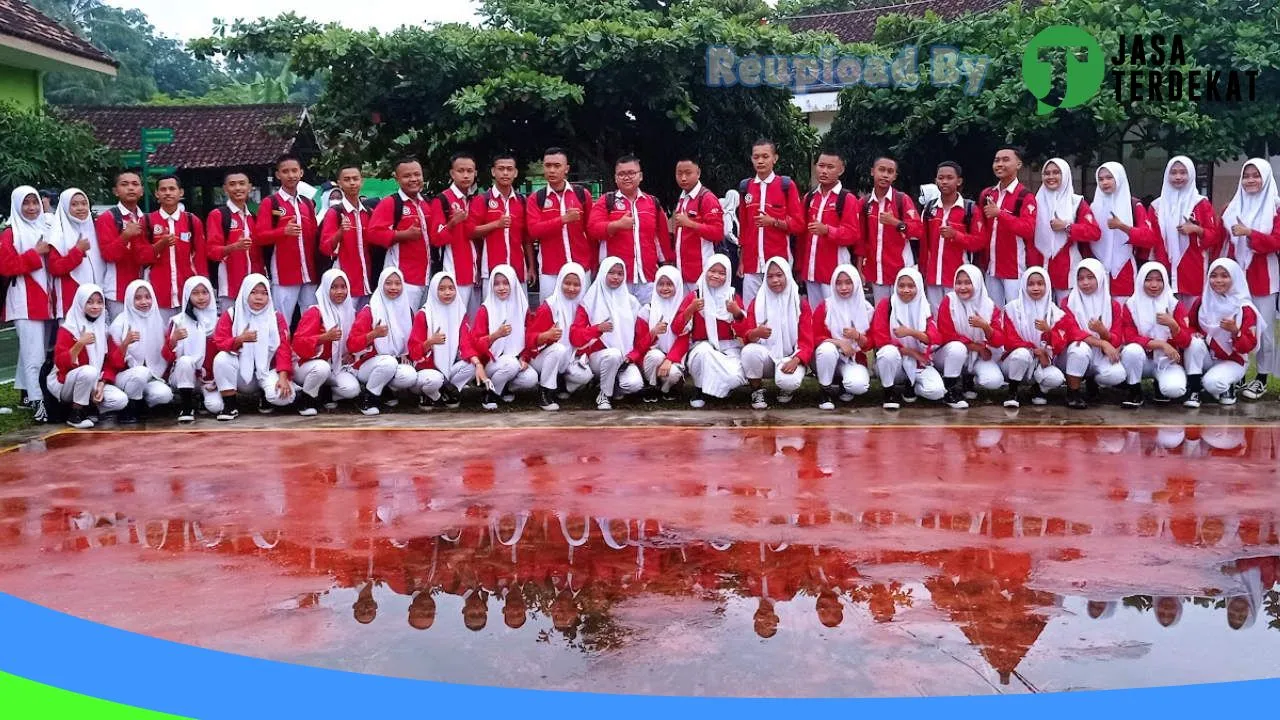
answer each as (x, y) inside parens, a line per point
(294, 259)
(422, 357)
(760, 244)
(28, 299)
(225, 341)
(725, 330)
(1141, 240)
(171, 355)
(503, 246)
(804, 329)
(884, 250)
(554, 237)
(1263, 272)
(124, 257)
(412, 256)
(1056, 339)
(185, 258)
(306, 339)
(480, 336)
(821, 334)
(819, 255)
(1083, 229)
(1188, 277)
(882, 335)
(1119, 319)
(350, 247)
(1180, 341)
(63, 363)
(692, 245)
(1243, 344)
(359, 345)
(461, 256)
(940, 258)
(950, 333)
(585, 335)
(641, 248)
(1009, 239)
(64, 285)
(233, 265)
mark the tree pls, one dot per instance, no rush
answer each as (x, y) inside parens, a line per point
(40, 149)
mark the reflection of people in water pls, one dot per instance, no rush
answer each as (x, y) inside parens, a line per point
(514, 608)
(1168, 610)
(830, 611)
(422, 611)
(766, 620)
(1102, 609)
(475, 609)
(365, 608)
(1257, 575)
(564, 613)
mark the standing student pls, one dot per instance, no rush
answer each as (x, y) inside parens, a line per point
(140, 333)
(971, 329)
(769, 214)
(555, 357)
(841, 330)
(1157, 336)
(177, 247)
(497, 335)
(122, 232)
(190, 349)
(1188, 228)
(609, 330)
(889, 221)
(1063, 221)
(903, 332)
(81, 365)
(400, 224)
(710, 315)
(254, 354)
(1035, 334)
(950, 232)
(379, 343)
(1123, 224)
(664, 358)
(320, 345)
(29, 304)
(440, 345)
(1251, 217)
(287, 222)
(778, 332)
(699, 223)
(1008, 226)
(831, 231)
(1225, 321)
(77, 256)
(1098, 335)
(557, 216)
(452, 228)
(232, 242)
(631, 226)
(344, 236)
(499, 224)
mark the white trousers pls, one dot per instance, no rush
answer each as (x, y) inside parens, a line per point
(78, 389)
(1221, 376)
(756, 363)
(1170, 377)
(954, 360)
(1268, 359)
(893, 368)
(416, 295)
(818, 292)
(185, 375)
(1084, 360)
(114, 309)
(226, 374)
(314, 374)
(506, 371)
(138, 384)
(652, 361)
(642, 291)
(751, 284)
(1023, 366)
(606, 364)
(288, 298)
(716, 372)
(549, 363)
(854, 377)
(1001, 291)
(467, 295)
(382, 370)
(431, 380)
(32, 342)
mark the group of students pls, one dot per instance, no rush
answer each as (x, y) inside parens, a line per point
(1016, 290)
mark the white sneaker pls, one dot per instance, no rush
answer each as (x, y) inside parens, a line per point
(757, 400)
(958, 405)
(1192, 401)
(308, 412)
(1039, 399)
(1253, 390)
(509, 398)
(784, 397)
(826, 405)
(970, 395)
(392, 401)
(1012, 404)
(846, 397)
(602, 402)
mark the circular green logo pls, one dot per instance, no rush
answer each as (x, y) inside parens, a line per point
(1084, 67)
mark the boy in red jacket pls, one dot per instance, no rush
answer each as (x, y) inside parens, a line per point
(831, 231)
(557, 218)
(453, 227)
(498, 220)
(177, 246)
(287, 221)
(631, 226)
(889, 223)
(400, 224)
(769, 215)
(699, 223)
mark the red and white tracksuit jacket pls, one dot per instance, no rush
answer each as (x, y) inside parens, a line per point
(1263, 272)
(882, 334)
(1083, 229)
(63, 363)
(941, 258)
(642, 248)
(557, 242)
(125, 258)
(819, 255)
(424, 359)
(821, 334)
(412, 257)
(225, 341)
(760, 244)
(804, 328)
(503, 246)
(1188, 277)
(586, 336)
(948, 332)
(1009, 239)
(885, 250)
(294, 259)
(1243, 344)
(28, 298)
(461, 256)
(480, 337)
(692, 246)
(233, 265)
(306, 339)
(1141, 240)
(1119, 319)
(185, 258)
(350, 248)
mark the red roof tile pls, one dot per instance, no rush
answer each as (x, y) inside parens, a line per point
(20, 20)
(859, 25)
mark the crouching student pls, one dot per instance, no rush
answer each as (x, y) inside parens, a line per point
(778, 329)
(379, 344)
(709, 314)
(1098, 335)
(1157, 334)
(663, 368)
(972, 332)
(1225, 322)
(320, 345)
(498, 338)
(440, 346)
(609, 330)
(841, 330)
(903, 333)
(190, 349)
(141, 334)
(81, 356)
(254, 354)
(561, 369)
(1035, 335)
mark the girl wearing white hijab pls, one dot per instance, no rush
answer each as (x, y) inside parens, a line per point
(1187, 229)
(779, 335)
(1063, 222)
(663, 362)
(440, 345)
(971, 328)
(379, 343)
(498, 335)
(1157, 335)
(607, 326)
(1124, 224)
(555, 357)
(841, 328)
(1251, 218)
(320, 346)
(1168, 610)
(1227, 320)
(904, 332)
(140, 333)
(190, 349)
(81, 371)
(254, 354)
(1034, 335)
(1098, 334)
(29, 302)
(711, 314)
(75, 258)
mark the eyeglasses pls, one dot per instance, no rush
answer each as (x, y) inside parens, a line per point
(627, 173)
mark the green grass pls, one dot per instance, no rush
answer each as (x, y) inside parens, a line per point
(20, 418)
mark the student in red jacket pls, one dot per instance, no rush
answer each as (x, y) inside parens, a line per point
(122, 233)
(971, 328)
(1098, 335)
(345, 236)
(609, 329)
(951, 226)
(320, 345)
(406, 236)
(1157, 336)
(254, 354)
(29, 304)
(558, 217)
(1123, 224)
(699, 223)
(769, 215)
(190, 349)
(1035, 334)
(1063, 221)
(498, 338)
(631, 226)
(1189, 230)
(77, 256)
(287, 222)
(710, 315)
(82, 362)
(453, 227)
(1253, 220)
(889, 221)
(440, 345)
(140, 333)
(555, 357)
(778, 332)
(1008, 226)
(841, 327)
(664, 357)
(232, 242)
(379, 343)
(832, 230)
(1225, 322)
(904, 333)
(498, 220)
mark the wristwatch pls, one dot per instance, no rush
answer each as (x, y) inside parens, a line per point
(902, 227)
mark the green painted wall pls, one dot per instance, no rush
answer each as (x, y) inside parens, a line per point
(20, 86)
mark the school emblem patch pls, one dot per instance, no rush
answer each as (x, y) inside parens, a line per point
(747, 198)
(157, 229)
(406, 211)
(457, 207)
(493, 204)
(546, 204)
(620, 205)
(235, 225)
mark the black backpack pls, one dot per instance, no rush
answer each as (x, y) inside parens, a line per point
(540, 197)
(931, 207)
(844, 194)
(742, 186)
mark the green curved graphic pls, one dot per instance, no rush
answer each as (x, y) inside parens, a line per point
(22, 699)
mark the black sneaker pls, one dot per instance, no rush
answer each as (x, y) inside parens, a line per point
(78, 420)
(230, 409)
(368, 403)
(264, 407)
(909, 393)
(1228, 397)
(490, 401)
(697, 401)
(1159, 398)
(307, 405)
(451, 396)
(1076, 401)
(1012, 402)
(1133, 396)
(425, 403)
(970, 388)
(186, 405)
(547, 400)
(651, 395)
(955, 396)
(892, 398)
(129, 415)
(830, 394)
(1091, 390)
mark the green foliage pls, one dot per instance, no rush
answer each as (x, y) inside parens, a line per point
(39, 149)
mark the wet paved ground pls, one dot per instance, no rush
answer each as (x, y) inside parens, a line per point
(805, 561)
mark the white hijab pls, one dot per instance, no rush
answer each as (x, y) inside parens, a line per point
(978, 304)
(663, 310)
(914, 314)
(1173, 207)
(715, 299)
(396, 314)
(1254, 593)
(77, 323)
(1113, 248)
(564, 310)
(1255, 211)
(70, 230)
(256, 357)
(445, 319)
(1025, 311)
(149, 350)
(1087, 308)
(855, 312)
(26, 233)
(781, 311)
(339, 316)
(1145, 308)
(198, 323)
(1062, 204)
(614, 304)
(1215, 308)
(513, 310)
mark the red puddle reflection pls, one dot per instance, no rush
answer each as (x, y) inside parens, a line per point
(889, 561)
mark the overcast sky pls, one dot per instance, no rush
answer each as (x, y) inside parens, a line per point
(186, 20)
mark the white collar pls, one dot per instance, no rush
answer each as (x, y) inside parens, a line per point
(406, 198)
(1013, 184)
(836, 189)
(639, 194)
(947, 208)
(498, 194)
(126, 211)
(456, 191)
(174, 217)
(567, 187)
(237, 210)
(767, 180)
(692, 193)
(291, 199)
(346, 204)
(888, 195)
